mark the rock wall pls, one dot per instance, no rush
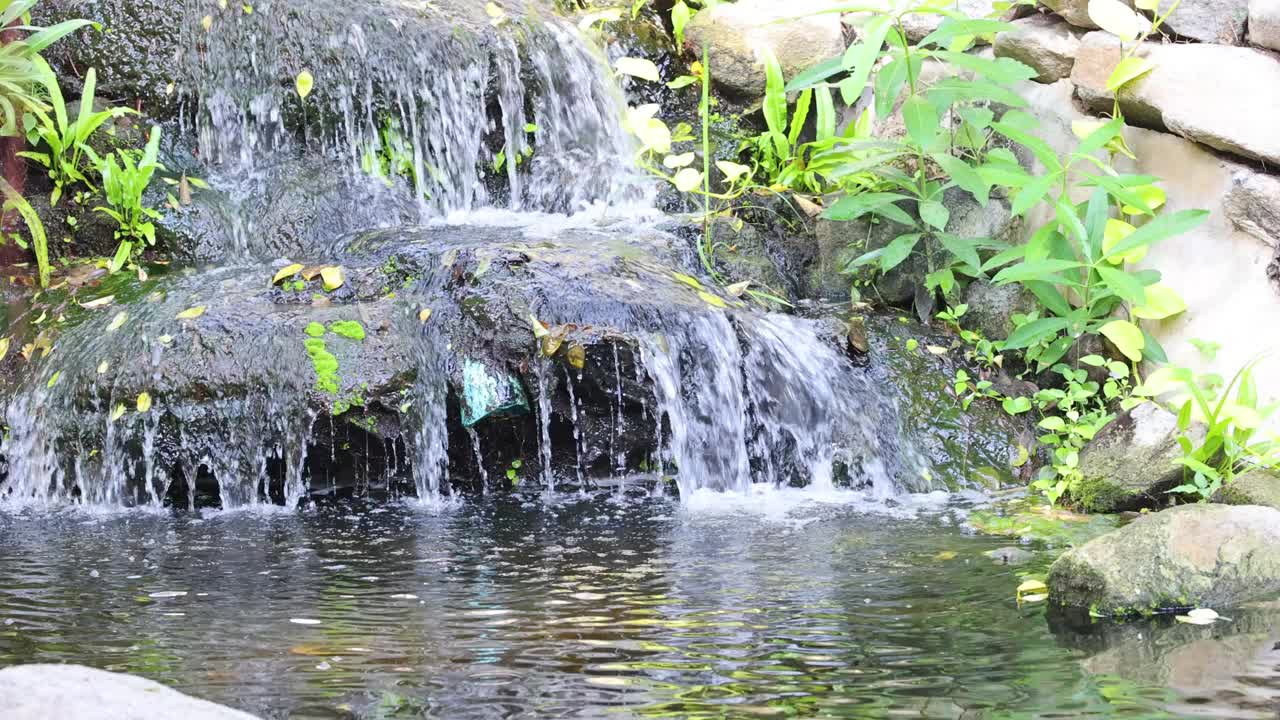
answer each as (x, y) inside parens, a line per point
(1206, 125)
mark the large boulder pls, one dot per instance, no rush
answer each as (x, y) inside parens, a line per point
(992, 307)
(1264, 23)
(1233, 108)
(1215, 556)
(1042, 42)
(1131, 462)
(1075, 12)
(1256, 487)
(75, 692)
(737, 33)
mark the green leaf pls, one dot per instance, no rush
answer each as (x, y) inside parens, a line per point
(817, 74)
(1043, 152)
(1127, 70)
(1001, 70)
(1122, 284)
(775, 94)
(1159, 229)
(304, 84)
(826, 119)
(1118, 19)
(638, 68)
(898, 251)
(1031, 195)
(860, 58)
(852, 207)
(921, 119)
(888, 86)
(1047, 269)
(1127, 338)
(1016, 406)
(964, 176)
(1035, 331)
(954, 27)
(935, 214)
(963, 249)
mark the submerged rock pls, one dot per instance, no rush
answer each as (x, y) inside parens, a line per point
(75, 692)
(1213, 556)
(1254, 487)
(1131, 462)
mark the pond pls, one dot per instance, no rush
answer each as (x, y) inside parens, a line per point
(599, 605)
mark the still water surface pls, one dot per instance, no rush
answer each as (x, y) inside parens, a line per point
(596, 606)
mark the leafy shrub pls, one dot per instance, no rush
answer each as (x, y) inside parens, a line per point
(125, 177)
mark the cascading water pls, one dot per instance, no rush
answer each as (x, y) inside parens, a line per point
(517, 112)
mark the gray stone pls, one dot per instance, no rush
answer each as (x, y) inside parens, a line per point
(1043, 42)
(1264, 23)
(1257, 487)
(737, 33)
(1130, 463)
(919, 25)
(1011, 556)
(1215, 556)
(1225, 97)
(991, 307)
(1253, 205)
(75, 692)
(1209, 21)
(1075, 12)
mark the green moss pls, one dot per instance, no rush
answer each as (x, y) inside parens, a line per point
(1098, 496)
(315, 330)
(325, 365)
(350, 329)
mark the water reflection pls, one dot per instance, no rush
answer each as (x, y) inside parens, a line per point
(594, 606)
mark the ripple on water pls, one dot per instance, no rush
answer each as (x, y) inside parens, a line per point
(769, 604)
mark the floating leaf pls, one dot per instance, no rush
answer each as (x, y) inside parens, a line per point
(577, 356)
(332, 277)
(424, 315)
(304, 84)
(191, 313)
(712, 300)
(117, 321)
(54, 379)
(103, 367)
(117, 412)
(638, 68)
(1200, 616)
(101, 302)
(287, 272)
(144, 402)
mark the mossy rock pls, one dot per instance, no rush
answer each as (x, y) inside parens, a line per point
(1258, 487)
(1215, 556)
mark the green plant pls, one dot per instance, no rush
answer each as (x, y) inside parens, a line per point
(125, 177)
(39, 240)
(65, 139)
(22, 71)
(390, 155)
(1233, 421)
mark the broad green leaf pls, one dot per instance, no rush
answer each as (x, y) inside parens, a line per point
(1047, 270)
(1159, 229)
(1016, 406)
(1117, 231)
(1035, 331)
(963, 249)
(1127, 70)
(888, 85)
(860, 58)
(817, 74)
(935, 214)
(898, 251)
(954, 27)
(921, 119)
(1001, 70)
(1043, 152)
(1123, 284)
(964, 176)
(1151, 195)
(1160, 302)
(852, 207)
(1127, 338)
(826, 118)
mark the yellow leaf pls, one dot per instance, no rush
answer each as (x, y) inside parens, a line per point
(206, 22)
(286, 272)
(103, 301)
(304, 83)
(577, 356)
(1127, 338)
(639, 68)
(945, 555)
(678, 161)
(1118, 19)
(144, 402)
(936, 349)
(712, 300)
(192, 313)
(1031, 586)
(732, 171)
(687, 280)
(117, 321)
(688, 180)
(332, 277)
(1162, 302)
(118, 412)
(424, 315)
(737, 289)
(4, 347)
(1115, 233)
(539, 330)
